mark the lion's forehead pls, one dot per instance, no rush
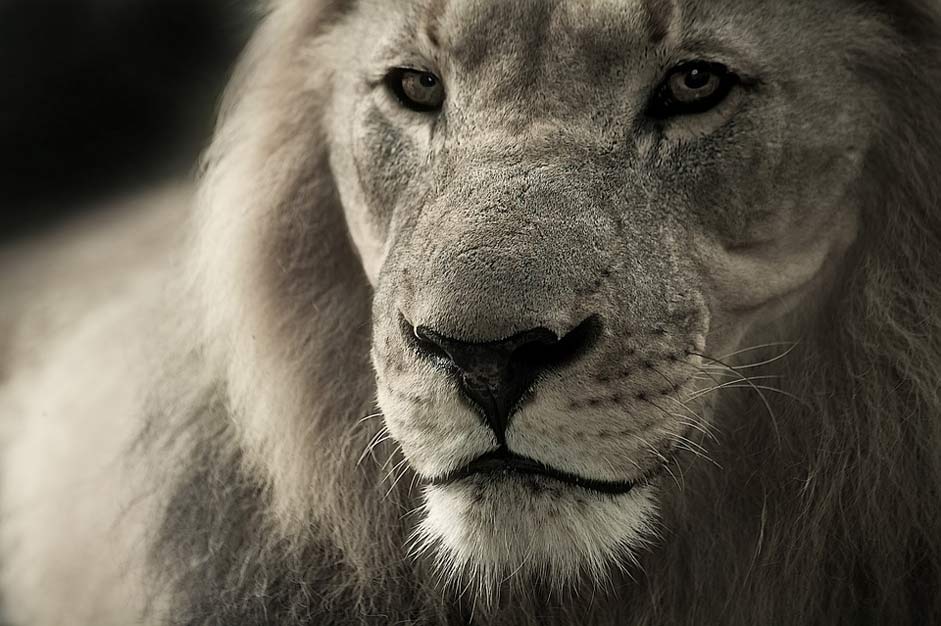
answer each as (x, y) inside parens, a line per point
(528, 38)
(537, 34)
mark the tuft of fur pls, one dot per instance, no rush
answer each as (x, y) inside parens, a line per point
(573, 537)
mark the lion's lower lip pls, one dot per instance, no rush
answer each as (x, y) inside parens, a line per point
(506, 462)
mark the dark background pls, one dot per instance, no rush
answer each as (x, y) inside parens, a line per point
(98, 96)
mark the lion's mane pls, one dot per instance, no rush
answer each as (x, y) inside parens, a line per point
(828, 513)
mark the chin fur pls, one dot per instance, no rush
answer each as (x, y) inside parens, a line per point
(486, 532)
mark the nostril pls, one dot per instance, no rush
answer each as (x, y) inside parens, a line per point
(496, 375)
(426, 342)
(559, 352)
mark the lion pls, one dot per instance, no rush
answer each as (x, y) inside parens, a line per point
(503, 313)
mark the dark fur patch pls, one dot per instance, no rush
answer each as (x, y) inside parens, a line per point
(385, 176)
(520, 49)
(659, 17)
(433, 17)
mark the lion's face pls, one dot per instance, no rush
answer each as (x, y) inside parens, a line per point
(567, 208)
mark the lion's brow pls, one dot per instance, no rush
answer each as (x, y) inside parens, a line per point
(660, 15)
(432, 22)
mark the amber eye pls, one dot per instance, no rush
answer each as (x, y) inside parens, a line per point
(416, 90)
(690, 88)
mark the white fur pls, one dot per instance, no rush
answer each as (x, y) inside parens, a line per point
(531, 528)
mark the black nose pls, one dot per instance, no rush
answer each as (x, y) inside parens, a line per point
(496, 375)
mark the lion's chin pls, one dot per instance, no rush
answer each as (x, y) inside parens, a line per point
(487, 531)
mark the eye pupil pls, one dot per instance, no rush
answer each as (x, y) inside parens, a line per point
(697, 79)
(428, 80)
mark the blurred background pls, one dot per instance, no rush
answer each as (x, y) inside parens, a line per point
(100, 96)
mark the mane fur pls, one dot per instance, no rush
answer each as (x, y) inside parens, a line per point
(827, 514)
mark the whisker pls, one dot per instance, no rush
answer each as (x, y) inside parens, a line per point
(745, 379)
(385, 463)
(662, 458)
(396, 481)
(369, 417)
(773, 344)
(739, 385)
(695, 425)
(691, 412)
(707, 371)
(768, 361)
(726, 385)
(394, 469)
(676, 480)
(411, 485)
(380, 437)
(694, 448)
(401, 469)
(683, 419)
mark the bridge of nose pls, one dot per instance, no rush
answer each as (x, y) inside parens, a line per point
(502, 252)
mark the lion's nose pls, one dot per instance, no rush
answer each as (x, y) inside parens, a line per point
(497, 375)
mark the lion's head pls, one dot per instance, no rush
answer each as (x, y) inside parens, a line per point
(566, 210)
(576, 221)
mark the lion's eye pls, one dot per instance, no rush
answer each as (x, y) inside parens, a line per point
(416, 90)
(690, 88)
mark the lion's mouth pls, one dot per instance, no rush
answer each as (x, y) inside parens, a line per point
(506, 463)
